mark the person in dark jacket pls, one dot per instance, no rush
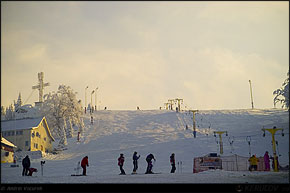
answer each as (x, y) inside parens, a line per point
(121, 161)
(172, 162)
(149, 162)
(26, 166)
(84, 164)
(135, 162)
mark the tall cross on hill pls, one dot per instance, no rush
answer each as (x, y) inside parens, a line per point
(40, 86)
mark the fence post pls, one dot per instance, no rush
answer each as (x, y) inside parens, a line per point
(237, 162)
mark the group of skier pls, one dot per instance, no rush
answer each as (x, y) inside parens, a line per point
(27, 171)
(254, 162)
(121, 160)
(149, 159)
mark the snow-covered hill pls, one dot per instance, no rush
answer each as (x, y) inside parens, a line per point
(161, 133)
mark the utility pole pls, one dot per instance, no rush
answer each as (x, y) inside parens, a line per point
(251, 94)
(40, 86)
(96, 104)
(86, 98)
(92, 101)
(178, 100)
(220, 137)
(273, 131)
(193, 119)
(170, 101)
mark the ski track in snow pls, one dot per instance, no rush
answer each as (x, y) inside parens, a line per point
(162, 132)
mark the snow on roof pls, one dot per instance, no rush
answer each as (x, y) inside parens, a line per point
(20, 124)
(6, 142)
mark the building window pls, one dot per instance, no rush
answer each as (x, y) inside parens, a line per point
(6, 153)
(44, 138)
(41, 148)
(19, 132)
(37, 134)
(26, 143)
(36, 145)
(12, 133)
(32, 134)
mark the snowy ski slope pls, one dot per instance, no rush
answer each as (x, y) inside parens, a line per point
(163, 132)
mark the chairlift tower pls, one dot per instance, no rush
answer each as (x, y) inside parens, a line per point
(178, 101)
(40, 86)
(193, 119)
(166, 105)
(171, 101)
(220, 137)
(273, 131)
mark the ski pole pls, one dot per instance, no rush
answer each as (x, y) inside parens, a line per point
(42, 163)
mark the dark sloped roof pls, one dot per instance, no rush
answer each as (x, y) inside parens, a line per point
(20, 124)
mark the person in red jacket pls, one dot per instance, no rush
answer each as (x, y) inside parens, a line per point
(84, 164)
(121, 160)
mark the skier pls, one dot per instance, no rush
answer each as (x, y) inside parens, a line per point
(172, 162)
(135, 162)
(84, 164)
(267, 161)
(26, 165)
(92, 120)
(253, 163)
(149, 162)
(121, 161)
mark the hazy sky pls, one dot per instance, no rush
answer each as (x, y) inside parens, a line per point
(144, 53)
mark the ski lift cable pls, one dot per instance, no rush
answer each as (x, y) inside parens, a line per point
(29, 96)
(204, 118)
(278, 148)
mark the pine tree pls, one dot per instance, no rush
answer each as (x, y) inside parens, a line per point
(282, 94)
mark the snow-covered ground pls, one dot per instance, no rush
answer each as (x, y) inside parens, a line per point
(162, 132)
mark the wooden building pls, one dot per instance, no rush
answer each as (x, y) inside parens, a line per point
(31, 134)
(7, 151)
